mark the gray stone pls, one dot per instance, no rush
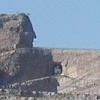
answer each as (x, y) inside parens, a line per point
(27, 69)
(15, 31)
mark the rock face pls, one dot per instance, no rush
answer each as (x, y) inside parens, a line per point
(15, 31)
(40, 69)
(81, 68)
(19, 62)
(27, 64)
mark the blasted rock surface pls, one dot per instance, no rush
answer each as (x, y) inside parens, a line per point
(33, 69)
(25, 64)
(15, 31)
(81, 68)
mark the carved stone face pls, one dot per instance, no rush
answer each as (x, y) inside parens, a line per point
(16, 30)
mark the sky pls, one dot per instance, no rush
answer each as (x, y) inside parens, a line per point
(60, 23)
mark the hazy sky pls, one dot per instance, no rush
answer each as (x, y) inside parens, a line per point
(61, 23)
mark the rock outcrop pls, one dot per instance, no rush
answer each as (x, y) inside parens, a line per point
(41, 69)
(19, 62)
(35, 66)
(16, 31)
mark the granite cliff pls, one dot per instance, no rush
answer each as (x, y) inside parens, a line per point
(41, 69)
